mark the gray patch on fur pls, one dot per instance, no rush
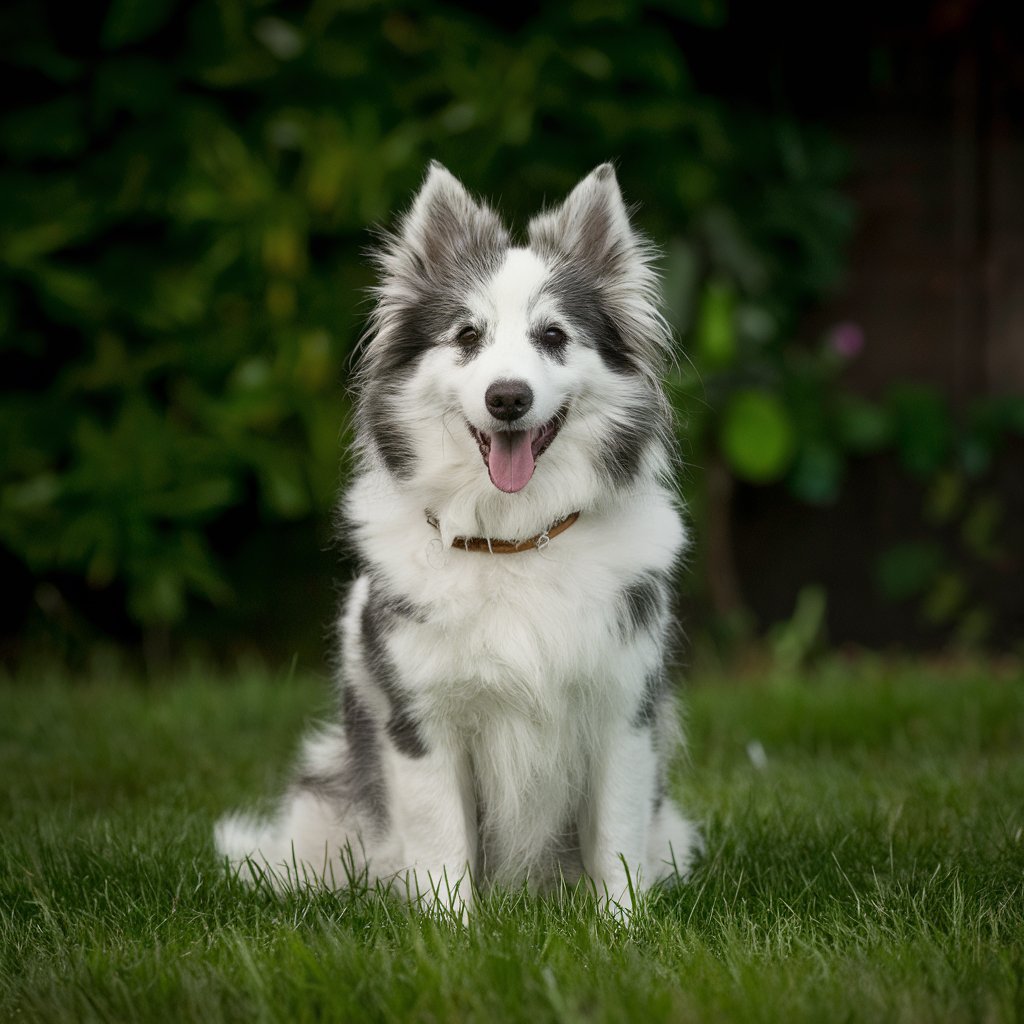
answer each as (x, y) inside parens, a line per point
(660, 795)
(655, 689)
(578, 293)
(391, 444)
(622, 453)
(397, 604)
(641, 604)
(365, 764)
(358, 776)
(402, 727)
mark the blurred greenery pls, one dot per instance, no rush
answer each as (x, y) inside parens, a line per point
(186, 194)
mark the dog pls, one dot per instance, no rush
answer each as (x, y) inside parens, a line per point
(505, 712)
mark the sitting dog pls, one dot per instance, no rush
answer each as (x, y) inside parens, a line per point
(505, 713)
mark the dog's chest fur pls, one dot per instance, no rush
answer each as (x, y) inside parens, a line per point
(525, 630)
(528, 663)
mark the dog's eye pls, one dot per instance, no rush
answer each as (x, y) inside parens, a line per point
(554, 336)
(468, 336)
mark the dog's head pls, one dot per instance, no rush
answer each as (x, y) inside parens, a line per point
(521, 371)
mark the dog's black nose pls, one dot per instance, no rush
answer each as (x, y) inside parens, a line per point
(508, 399)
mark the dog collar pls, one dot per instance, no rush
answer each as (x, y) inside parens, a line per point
(510, 547)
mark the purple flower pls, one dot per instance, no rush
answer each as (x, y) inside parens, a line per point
(846, 339)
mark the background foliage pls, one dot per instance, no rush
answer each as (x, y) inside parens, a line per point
(186, 193)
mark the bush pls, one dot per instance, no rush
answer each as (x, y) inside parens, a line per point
(186, 194)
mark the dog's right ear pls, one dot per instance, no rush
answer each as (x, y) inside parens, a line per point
(441, 202)
(445, 225)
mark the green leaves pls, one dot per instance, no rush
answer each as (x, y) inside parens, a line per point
(757, 436)
(923, 429)
(861, 426)
(817, 474)
(128, 21)
(186, 204)
(907, 570)
(716, 325)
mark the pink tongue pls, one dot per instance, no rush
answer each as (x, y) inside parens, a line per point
(510, 460)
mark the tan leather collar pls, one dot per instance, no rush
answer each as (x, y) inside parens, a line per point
(510, 547)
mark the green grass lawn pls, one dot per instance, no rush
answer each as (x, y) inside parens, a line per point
(872, 868)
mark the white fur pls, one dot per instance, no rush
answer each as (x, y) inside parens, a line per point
(515, 669)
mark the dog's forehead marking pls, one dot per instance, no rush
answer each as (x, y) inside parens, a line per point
(518, 282)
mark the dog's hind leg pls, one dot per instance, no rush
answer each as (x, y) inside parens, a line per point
(316, 838)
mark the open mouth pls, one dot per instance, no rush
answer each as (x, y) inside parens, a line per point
(511, 455)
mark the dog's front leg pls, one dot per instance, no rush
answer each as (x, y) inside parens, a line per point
(617, 815)
(433, 818)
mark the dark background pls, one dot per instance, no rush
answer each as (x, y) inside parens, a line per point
(187, 195)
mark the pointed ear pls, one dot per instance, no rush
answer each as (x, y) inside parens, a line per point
(594, 251)
(441, 197)
(445, 223)
(592, 223)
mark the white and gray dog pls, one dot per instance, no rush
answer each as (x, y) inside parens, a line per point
(505, 714)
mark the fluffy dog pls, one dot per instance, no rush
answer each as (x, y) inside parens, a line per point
(505, 715)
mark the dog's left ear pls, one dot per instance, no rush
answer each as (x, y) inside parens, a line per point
(592, 224)
(590, 236)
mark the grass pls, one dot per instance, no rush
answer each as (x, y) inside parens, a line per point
(869, 868)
